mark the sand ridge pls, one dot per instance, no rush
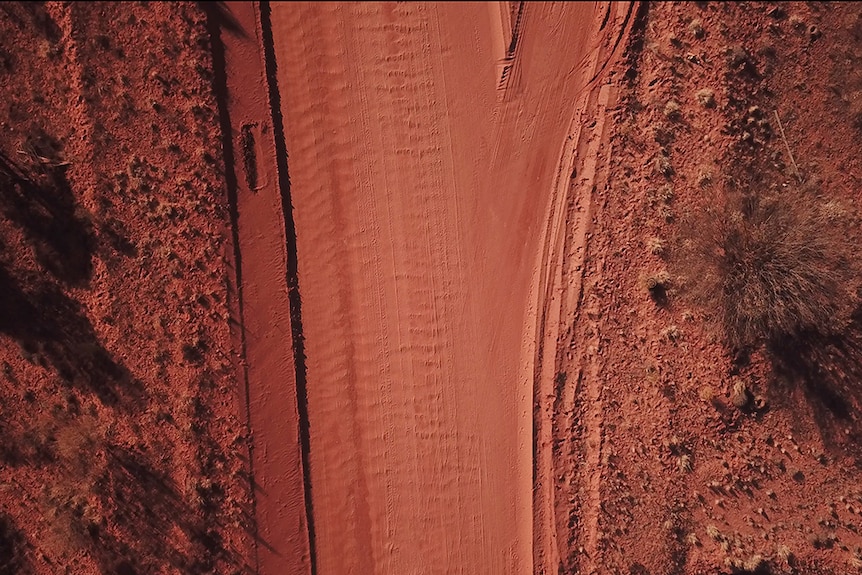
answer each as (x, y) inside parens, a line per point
(271, 396)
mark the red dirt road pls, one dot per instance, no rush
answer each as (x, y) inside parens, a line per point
(420, 182)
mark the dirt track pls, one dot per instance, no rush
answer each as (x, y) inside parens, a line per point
(418, 218)
(483, 383)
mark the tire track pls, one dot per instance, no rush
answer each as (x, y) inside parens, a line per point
(580, 400)
(568, 436)
(395, 314)
(417, 215)
(234, 258)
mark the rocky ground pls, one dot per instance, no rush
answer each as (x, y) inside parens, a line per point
(719, 457)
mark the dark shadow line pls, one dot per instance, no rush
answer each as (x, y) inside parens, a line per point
(219, 15)
(516, 31)
(215, 15)
(635, 40)
(292, 267)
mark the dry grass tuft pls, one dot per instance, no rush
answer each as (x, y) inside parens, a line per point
(656, 246)
(706, 98)
(771, 267)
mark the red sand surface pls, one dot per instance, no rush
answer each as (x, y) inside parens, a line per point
(418, 221)
(404, 326)
(269, 401)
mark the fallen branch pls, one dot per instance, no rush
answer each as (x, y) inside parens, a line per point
(786, 145)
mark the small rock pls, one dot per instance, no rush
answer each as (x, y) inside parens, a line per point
(814, 33)
(740, 396)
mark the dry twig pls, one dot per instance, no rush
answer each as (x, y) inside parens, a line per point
(786, 145)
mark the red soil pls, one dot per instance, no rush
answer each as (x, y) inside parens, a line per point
(418, 221)
(678, 479)
(121, 449)
(468, 199)
(263, 264)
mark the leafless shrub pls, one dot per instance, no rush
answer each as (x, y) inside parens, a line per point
(771, 267)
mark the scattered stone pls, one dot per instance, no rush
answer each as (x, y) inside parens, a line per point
(740, 397)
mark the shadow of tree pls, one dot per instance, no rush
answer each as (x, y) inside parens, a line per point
(147, 513)
(40, 202)
(12, 549)
(126, 512)
(50, 327)
(829, 371)
(32, 15)
(220, 17)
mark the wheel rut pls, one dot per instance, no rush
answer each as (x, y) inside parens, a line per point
(267, 320)
(569, 403)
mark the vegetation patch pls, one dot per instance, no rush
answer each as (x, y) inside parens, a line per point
(773, 267)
